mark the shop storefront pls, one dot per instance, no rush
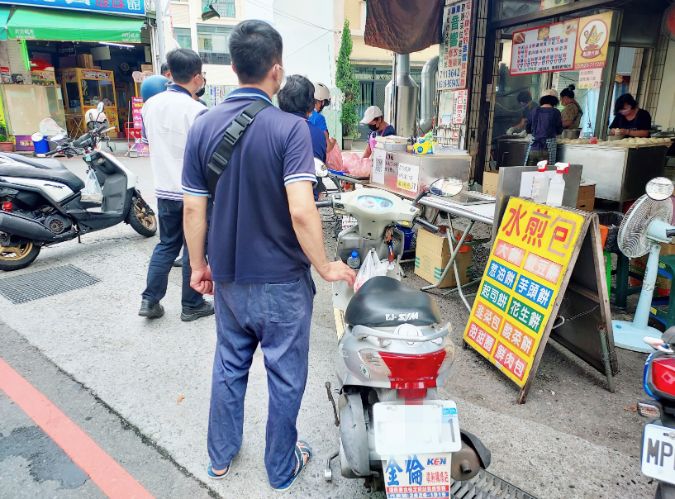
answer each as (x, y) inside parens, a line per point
(62, 60)
(598, 49)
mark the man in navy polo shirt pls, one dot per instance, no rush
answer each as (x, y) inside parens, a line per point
(265, 232)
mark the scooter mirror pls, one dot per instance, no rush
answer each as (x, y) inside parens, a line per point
(320, 168)
(446, 187)
(99, 107)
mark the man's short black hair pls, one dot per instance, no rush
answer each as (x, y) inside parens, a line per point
(297, 95)
(551, 100)
(164, 69)
(184, 64)
(255, 47)
(623, 100)
(524, 96)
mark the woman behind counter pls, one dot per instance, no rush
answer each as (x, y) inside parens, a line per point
(629, 119)
(571, 113)
(545, 123)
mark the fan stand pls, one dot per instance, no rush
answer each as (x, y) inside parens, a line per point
(629, 335)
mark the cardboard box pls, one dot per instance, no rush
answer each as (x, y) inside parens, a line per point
(146, 68)
(85, 61)
(433, 253)
(490, 182)
(586, 197)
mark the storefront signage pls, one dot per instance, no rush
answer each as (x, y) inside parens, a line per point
(124, 7)
(412, 476)
(544, 49)
(522, 280)
(137, 112)
(454, 59)
(461, 98)
(590, 78)
(592, 41)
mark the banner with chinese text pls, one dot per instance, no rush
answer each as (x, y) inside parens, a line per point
(592, 41)
(454, 58)
(523, 277)
(544, 49)
(418, 476)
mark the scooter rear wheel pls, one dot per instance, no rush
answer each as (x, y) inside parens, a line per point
(18, 256)
(141, 217)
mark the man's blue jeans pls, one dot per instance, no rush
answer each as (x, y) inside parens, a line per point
(278, 317)
(171, 240)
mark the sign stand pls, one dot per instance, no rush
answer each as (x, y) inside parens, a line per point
(543, 279)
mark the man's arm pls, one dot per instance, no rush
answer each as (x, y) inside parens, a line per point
(195, 227)
(307, 226)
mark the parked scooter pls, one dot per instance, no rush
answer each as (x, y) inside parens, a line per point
(393, 353)
(658, 438)
(42, 202)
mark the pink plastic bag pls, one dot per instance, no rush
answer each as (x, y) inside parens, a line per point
(355, 165)
(334, 159)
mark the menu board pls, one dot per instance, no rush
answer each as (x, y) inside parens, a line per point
(544, 49)
(523, 278)
(593, 40)
(454, 59)
(136, 112)
(590, 78)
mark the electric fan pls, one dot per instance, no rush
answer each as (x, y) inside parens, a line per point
(645, 226)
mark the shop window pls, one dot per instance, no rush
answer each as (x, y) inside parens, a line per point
(226, 8)
(183, 37)
(213, 43)
(515, 8)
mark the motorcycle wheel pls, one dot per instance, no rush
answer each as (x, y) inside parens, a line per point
(19, 256)
(665, 491)
(141, 217)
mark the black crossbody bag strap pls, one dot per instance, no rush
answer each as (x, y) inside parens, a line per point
(221, 156)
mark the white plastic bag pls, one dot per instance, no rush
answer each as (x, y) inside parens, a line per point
(92, 189)
(371, 267)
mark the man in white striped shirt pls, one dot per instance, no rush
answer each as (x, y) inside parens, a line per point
(167, 118)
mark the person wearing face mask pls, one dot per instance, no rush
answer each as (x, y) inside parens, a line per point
(629, 119)
(200, 93)
(264, 235)
(321, 100)
(167, 118)
(374, 118)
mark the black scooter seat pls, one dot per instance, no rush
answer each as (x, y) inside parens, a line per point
(383, 302)
(17, 166)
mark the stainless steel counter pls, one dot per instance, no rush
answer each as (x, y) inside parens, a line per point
(620, 173)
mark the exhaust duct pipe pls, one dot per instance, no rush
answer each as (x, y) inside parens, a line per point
(428, 94)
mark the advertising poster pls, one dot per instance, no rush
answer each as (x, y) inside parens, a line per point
(544, 49)
(523, 277)
(590, 78)
(592, 41)
(454, 59)
(416, 476)
(124, 7)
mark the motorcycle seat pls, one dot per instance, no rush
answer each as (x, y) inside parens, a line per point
(15, 166)
(383, 302)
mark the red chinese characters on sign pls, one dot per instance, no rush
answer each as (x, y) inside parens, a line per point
(513, 219)
(563, 231)
(481, 337)
(536, 226)
(436, 477)
(522, 341)
(509, 253)
(509, 360)
(543, 268)
(488, 316)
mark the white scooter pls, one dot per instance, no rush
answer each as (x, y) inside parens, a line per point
(393, 355)
(42, 202)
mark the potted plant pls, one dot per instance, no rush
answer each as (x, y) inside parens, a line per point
(6, 145)
(349, 87)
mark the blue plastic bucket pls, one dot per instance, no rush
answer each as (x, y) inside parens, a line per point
(40, 144)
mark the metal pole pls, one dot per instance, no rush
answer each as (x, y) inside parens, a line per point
(162, 6)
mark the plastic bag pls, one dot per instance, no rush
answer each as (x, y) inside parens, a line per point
(92, 189)
(356, 166)
(334, 158)
(371, 267)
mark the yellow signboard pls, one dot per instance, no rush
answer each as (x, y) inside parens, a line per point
(592, 41)
(522, 280)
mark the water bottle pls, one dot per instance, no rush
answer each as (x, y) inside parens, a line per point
(541, 183)
(354, 260)
(557, 187)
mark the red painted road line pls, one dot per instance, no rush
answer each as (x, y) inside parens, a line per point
(111, 478)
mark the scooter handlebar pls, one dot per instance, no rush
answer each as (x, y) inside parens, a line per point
(670, 233)
(427, 225)
(326, 203)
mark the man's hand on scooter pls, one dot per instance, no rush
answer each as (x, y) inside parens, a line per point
(337, 271)
(202, 281)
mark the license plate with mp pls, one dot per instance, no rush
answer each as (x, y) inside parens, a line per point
(428, 428)
(658, 453)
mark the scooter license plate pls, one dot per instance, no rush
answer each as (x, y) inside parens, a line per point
(429, 428)
(658, 453)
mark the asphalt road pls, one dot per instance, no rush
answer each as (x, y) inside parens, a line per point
(146, 387)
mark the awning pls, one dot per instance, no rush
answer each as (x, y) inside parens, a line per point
(57, 25)
(4, 15)
(403, 26)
